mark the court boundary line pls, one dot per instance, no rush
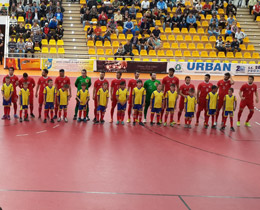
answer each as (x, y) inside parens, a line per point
(182, 200)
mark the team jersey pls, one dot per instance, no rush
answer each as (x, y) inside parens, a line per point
(7, 89)
(60, 81)
(43, 82)
(83, 96)
(139, 95)
(122, 94)
(171, 98)
(24, 96)
(157, 99)
(81, 80)
(167, 81)
(150, 86)
(229, 102)
(13, 80)
(223, 87)
(62, 97)
(103, 96)
(248, 91)
(184, 88)
(204, 89)
(131, 85)
(190, 103)
(115, 85)
(49, 94)
(212, 100)
(30, 81)
(98, 84)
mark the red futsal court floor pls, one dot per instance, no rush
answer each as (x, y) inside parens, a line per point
(108, 167)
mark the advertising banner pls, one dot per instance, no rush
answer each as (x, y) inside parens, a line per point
(23, 63)
(70, 65)
(132, 66)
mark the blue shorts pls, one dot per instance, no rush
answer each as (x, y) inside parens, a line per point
(156, 110)
(169, 109)
(189, 114)
(81, 107)
(226, 113)
(7, 103)
(138, 107)
(49, 105)
(212, 111)
(120, 107)
(23, 107)
(101, 108)
(62, 107)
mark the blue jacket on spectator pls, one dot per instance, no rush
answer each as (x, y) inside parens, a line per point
(161, 5)
(191, 19)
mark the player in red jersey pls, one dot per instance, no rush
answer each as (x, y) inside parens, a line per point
(41, 84)
(15, 82)
(97, 85)
(184, 91)
(31, 84)
(167, 81)
(203, 89)
(246, 94)
(60, 81)
(131, 86)
(114, 87)
(223, 86)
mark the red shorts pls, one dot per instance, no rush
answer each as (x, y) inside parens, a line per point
(181, 104)
(41, 98)
(14, 98)
(202, 105)
(244, 103)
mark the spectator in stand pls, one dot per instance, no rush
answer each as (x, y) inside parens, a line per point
(28, 32)
(149, 17)
(43, 9)
(20, 46)
(59, 16)
(135, 42)
(234, 28)
(214, 8)
(12, 45)
(49, 16)
(167, 21)
(37, 40)
(156, 32)
(13, 20)
(107, 35)
(214, 18)
(240, 35)
(13, 9)
(251, 4)
(195, 12)
(150, 43)
(28, 7)
(132, 12)
(29, 46)
(36, 16)
(228, 31)
(230, 20)
(156, 14)
(98, 32)
(176, 21)
(191, 21)
(128, 2)
(145, 27)
(171, 3)
(90, 32)
(157, 44)
(20, 11)
(87, 17)
(120, 51)
(220, 45)
(46, 31)
(82, 12)
(20, 31)
(128, 49)
(199, 8)
(222, 22)
(231, 9)
(51, 8)
(35, 28)
(12, 31)
(43, 22)
(116, 4)
(206, 9)
(92, 3)
(113, 26)
(183, 23)
(145, 5)
(153, 4)
(94, 12)
(256, 10)
(59, 32)
(137, 3)
(124, 10)
(213, 29)
(110, 11)
(28, 18)
(235, 46)
(102, 19)
(34, 6)
(129, 27)
(186, 10)
(53, 23)
(178, 11)
(59, 7)
(228, 46)
(143, 43)
(161, 5)
(118, 17)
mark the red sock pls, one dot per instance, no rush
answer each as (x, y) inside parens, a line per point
(15, 108)
(207, 120)
(46, 113)
(5, 111)
(21, 113)
(102, 115)
(162, 114)
(171, 117)
(129, 111)
(231, 121)
(212, 119)
(118, 115)
(84, 114)
(140, 116)
(97, 116)
(51, 113)
(112, 112)
(56, 111)
(158, 118)
(122, 116)
(166, 117)
(217, 114)
(134, 116)
(60, 113)
(186, 121)
(189, 121)
(250, 115)
(152, 116)
(25, 113)
(8, 110)
(65, 113)
(198, 116)
(80, 114)
(31, 108)
(239, 114)
(40, 109)
(224, 121)
(179, 115)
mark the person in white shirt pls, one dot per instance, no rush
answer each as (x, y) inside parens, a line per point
(199, 8)
(240, 35)
(145, 5)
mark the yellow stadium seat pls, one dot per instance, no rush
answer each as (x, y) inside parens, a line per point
(208, 46)
(129, 36)
(201, 31)
(90, 43)
(99, 44)
(45, 50)
(183, 46)
(166, 45)
(52, 42)
(30, 26)
(91, 51)
(44, 42)
(175, 45)
(152, 53)
(212, 39)
(193, 31)
(139, 15)
(208, 61)
(204, 54)
(163, 37)
(243, 62)
(169, 53)
(196, 38)
(234, 62)
(191, 46)
(258, 18)
(252, 62)
(161, 53)
(200, 46)
(181, 60)
(60, 42)
(137, 59)
(246, 40)
(208, 17)
(178, 53)
(171, 38)
(115, 44)
(100, 52)
(135, 52)
(242, 47)
(221, 55)
(113, 36)
(110, 59)
(158, 23)
(146, 59)
(255, 54)
(250, 47)
(184, 31)
(179, 38)
(107, 44)
(187, 38)
(247, 55)
(20, 19)
(217, 61)
(37, 49)
(199, 61)
(220, 11)
(128, 59)
(186, 54)
(53, 50)
(213, 54)
(121, 37)
(168, 30)
(101, 58)
(61, 50)
(190, 60)
(226, 61)
(163, 60)
(173, 60)
(230, 55)
(229, 38)
(143, 52)
(195, 54)
(176, 30)
(109, 52)
(204, 39)
(205, 24)
(202, 16)
(238, 55)
(154, 59)
(119, 59)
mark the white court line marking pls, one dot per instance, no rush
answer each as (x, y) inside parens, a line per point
(257, 123)
(22, 134)
(55, 126)
(41, 131)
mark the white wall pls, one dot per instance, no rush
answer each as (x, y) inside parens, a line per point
(4, 21)
(4, 1)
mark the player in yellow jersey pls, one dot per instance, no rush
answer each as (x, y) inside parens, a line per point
(83, 98)
(190, 107)
(156, 102)
(102, 100)
(7, 92)
(171, 97)
(212, 104)
(122, 96)
(138, 100)
(62, 101)
(24, 100)
(229, 106)
(49, 99)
